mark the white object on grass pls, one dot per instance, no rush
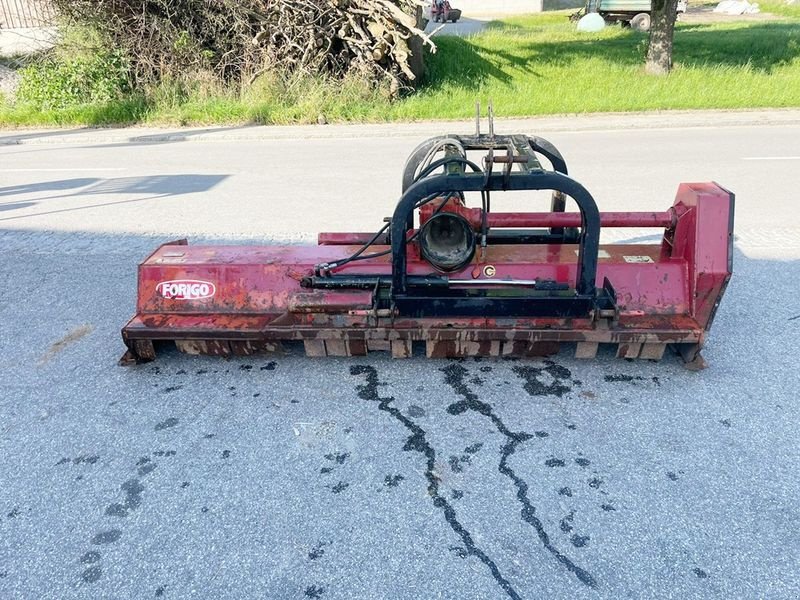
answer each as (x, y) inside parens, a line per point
(591, 23)
(736, 7)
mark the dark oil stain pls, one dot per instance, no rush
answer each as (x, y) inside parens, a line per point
(90, 558)
(700, 573)
(486, 369)
(607, 507)
(339, 457)
(672, 476)
(106, 537)
(270, 366)
(202, 371)
(474, 448)
(317, 551)
(165, 453)
(340, 487)
(456, 494)
(314, 591)
(116, 510)
(133, 497)
(565, 491)
(172, 388)
(541, 434)
(418, 442)
(415, 411)
(245, 367)
(566, 523)
(726, 422)
(256, 395)
(204, 509)
(622, 378)
(455, 464)
(583, 462)
(143, 461)
(92, 574)
(226, 454)
(392, 480)
(166, 424)
(185, 484)
(209, 436)
(146, 469)
(554, 462)
(595, 482)
(561, 379)
(3, 574)
(160, 590)
(89, 460)
(572, 427)
(294, 401)
(15, 512)
(454, 376)
(348, 430)
(579, 541)
(326, 470)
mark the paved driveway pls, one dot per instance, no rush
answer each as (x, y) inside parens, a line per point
(285, 477)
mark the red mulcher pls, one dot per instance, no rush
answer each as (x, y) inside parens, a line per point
(465, 281)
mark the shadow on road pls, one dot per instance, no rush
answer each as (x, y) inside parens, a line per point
(151, 187)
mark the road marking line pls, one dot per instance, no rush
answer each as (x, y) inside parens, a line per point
(771, 158)
(67, 170)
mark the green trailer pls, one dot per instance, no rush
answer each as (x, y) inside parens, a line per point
(633, 13)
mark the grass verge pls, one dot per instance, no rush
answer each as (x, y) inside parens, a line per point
(533, 65)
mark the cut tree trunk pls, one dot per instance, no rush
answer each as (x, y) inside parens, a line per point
(662, 30)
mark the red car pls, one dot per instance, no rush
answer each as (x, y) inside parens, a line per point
(441, 11)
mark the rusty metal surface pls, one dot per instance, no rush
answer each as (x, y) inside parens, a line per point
(551, 219)
(211, 296)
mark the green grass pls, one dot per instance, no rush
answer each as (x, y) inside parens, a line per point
(533, 65)
(779, 7)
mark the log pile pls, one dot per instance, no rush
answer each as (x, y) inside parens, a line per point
(239, 39)
(334, 36)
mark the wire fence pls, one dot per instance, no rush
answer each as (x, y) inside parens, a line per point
(17, 14)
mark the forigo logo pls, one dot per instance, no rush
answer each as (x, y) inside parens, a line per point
(186, 289)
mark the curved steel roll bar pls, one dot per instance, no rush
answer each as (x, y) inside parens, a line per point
(588, 241)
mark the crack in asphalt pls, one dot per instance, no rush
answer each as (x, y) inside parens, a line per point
(454, 376)
(418, 442)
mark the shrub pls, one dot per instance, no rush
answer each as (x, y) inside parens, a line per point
(58, 81)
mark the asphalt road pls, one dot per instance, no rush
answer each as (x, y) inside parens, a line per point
(287, 477)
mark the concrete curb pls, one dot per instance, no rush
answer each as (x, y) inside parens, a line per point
(565, 124)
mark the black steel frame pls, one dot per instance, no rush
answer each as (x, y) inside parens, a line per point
(432, 296)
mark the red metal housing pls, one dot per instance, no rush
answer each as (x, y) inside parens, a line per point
(243, 299)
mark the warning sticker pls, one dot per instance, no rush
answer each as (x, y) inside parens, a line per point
(600, 253)
(637, 259)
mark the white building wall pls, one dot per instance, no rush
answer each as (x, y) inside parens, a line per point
(497, 7)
